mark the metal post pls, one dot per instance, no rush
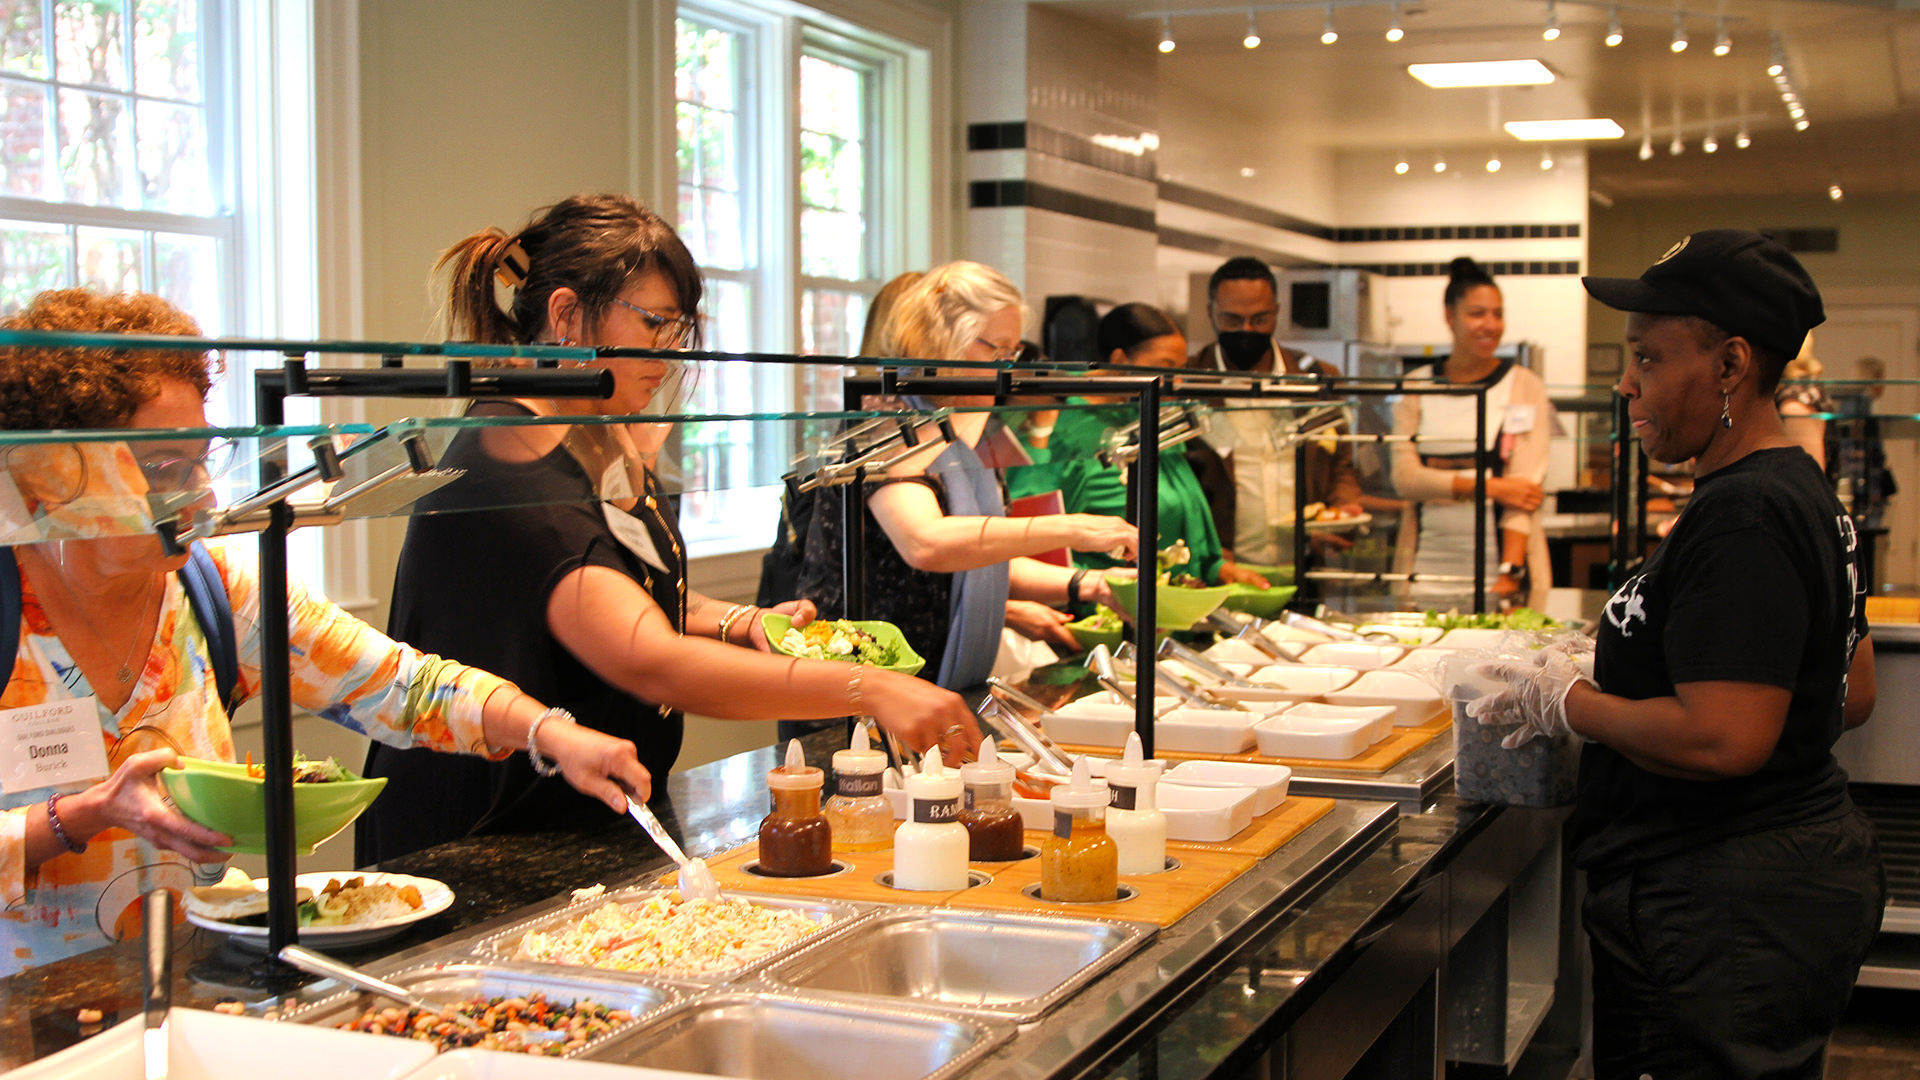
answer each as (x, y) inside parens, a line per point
(1305, 590)
(1146, 608)
(1480, 498)
(276, 704)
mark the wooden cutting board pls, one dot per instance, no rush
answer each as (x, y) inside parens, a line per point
(1379, 757)
(856, 883)
(1163, 899)
(1267, 833)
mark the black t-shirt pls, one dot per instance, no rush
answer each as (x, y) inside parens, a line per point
(481, 557)
(1757, 584)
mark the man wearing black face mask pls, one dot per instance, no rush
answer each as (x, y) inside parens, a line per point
(1243, 303)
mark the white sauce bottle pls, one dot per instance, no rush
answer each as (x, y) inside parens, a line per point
(1134, 819)
(930, 847)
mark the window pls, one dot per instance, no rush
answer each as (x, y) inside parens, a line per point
(783, 209)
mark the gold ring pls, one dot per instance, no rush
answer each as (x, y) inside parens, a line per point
(952, 729)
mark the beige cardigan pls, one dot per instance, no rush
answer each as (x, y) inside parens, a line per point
(1528, 459)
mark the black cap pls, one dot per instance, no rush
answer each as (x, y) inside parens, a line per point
(1744, 282)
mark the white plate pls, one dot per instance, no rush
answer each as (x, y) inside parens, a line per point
(1192, 731)
(209, 1045)
(1269, 782)
(1359, 655)
(435, 898)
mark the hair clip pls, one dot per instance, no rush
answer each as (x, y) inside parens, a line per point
(514, 266)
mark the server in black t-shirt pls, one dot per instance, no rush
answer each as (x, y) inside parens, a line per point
(1732, 886)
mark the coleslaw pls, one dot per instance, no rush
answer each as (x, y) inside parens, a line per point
(669, 937)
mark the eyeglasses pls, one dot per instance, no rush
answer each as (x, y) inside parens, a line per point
(1001, 355)
(669, 331)
(168, 470)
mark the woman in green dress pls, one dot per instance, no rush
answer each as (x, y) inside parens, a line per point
(1140, 335)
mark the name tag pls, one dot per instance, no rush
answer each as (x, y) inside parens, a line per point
(633, 535)
(51, 744)
(1519, 420)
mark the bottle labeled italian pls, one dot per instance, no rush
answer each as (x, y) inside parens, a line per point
(861, 818)
(994, 831)
(930, 847)
(1078, 862)
(1134, 819)
(795, 839)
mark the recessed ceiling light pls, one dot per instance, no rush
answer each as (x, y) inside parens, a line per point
(1482, 73)
(1595, 127)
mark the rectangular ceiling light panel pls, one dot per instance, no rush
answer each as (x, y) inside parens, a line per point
(1482, 73)
(1596, 127)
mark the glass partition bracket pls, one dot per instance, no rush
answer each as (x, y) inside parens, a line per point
(1179, 424)
(902, 438)
(1621, 469)
(1145, 495)
(458, 379)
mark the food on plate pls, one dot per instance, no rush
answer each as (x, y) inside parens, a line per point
(1524, 618)
(358, 900)
(670, 937)
(498, 1023)
(89, 1016)
(306, 770)
(231, 1007)
(235, 898)
(835, 639)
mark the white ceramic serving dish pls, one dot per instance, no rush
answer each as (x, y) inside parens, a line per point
(1380, 716)
(1235, 651)
(1303, 737)
(1413, 701)
(1269, 782)
(1359, 655)
(1191, 731)
(1204, 815)
(205, 1045)
(1287, 683)
(1405, 635)
(1286, 635)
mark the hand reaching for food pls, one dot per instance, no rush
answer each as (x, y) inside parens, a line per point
(802, 612)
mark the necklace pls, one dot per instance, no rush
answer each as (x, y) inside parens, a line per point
(126, 672)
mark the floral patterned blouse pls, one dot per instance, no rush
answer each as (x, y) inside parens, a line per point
(342, 669)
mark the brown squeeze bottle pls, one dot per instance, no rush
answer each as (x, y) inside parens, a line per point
(795, 839)
(994, 830)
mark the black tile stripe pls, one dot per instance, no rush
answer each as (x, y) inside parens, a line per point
(1227, 249)
(989, 194)
(1497, 269)
(1183, 195)
(1061, 144)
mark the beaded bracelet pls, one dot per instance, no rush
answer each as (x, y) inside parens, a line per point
(733, 613)
(59, 830)
(853, 689)
(544, 766)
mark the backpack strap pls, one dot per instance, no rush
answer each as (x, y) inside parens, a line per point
(208, 595)
(9, 614)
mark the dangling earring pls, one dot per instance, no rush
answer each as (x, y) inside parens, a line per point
(1726, 416)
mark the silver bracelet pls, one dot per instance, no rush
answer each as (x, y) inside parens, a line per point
(853, 689)
(541, 765)
(733, 614)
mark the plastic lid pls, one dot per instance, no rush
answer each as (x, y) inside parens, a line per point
(989, 769)
(859, 758)
(1082, 792)
(934, 780)
(1133, 771)
(796, 774)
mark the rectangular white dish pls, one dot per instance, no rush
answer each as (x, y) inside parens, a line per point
(1411, 636)
(205, 1045)
(1288, 683)
(1380, 716)
(1191, 731)
(1205, 815)
(1359, 655)
(1413, 701)
(1305, 737)
(1269, 782)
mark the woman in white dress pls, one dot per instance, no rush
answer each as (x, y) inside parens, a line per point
(1437, 472)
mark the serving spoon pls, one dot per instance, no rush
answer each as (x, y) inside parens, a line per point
(314, 963)
(696, 881)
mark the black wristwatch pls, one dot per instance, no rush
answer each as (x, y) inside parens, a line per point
(1516, 571)
(1073, 585)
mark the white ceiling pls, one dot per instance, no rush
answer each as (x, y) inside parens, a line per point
(1856, 64)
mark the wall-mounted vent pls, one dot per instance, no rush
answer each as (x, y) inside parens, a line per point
(1817, 240)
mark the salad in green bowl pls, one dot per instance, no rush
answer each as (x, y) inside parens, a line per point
(878, 644)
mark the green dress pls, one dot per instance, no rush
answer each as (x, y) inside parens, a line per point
(1088, 487)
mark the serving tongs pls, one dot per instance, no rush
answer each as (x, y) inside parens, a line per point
(314, 963)
(696, 880)
(1173, 650)
(1251, 634)
(1337, 633)
(154, 1049)
(1001, 712)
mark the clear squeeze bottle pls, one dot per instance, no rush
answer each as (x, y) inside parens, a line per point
(994, 830)
(930, 847)
(1134, 819)
(862, 819)
(1078, 862)
(795, 840)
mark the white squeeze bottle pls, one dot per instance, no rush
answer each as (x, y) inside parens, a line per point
(1134, 819)
(930, 847)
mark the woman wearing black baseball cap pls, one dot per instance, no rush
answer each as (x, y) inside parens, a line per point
(1733, 888)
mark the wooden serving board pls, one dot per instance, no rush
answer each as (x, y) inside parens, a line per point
(1163, 898)
(857, 884)
(1266, 834)
(1379, 757)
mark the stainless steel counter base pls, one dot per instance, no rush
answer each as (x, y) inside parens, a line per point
(1411, 782)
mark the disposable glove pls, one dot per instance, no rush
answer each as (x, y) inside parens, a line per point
(1535, 700)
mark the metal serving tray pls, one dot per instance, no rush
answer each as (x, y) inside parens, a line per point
(760, 1035)
(452, 982)
(1005, 965)
(831, 915)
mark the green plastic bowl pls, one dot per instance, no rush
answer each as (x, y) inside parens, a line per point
(220, 795)
(1260, 603)
(1275, 575)
(1088, 635)
(1176, 608)
(908, 662)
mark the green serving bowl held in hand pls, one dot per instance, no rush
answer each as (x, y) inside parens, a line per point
(905, 660)
(1090, 632)
(221, 796)
(1260, 603)
(1176, 608)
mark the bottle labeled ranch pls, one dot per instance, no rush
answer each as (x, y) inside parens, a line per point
(994, 831)
(795, 839)
(930, 847)
(1134, 819)
(1078, 862)
(862, 819)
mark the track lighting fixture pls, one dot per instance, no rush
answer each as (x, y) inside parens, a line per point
(1394, 33)
(1679, 42)
(1328, 35)
(1614, 36)
(1166, 34)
